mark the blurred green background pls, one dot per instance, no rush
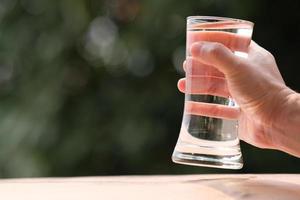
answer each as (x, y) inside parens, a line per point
(88, 87)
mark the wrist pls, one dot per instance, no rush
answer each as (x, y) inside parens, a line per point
(287, 123)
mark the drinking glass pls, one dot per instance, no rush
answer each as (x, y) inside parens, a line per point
(210, 141)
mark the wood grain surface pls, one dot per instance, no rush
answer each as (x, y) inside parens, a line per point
(186, 187)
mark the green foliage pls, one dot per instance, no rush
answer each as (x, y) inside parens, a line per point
(88, 87)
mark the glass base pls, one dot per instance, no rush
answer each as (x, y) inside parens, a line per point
(224, 162)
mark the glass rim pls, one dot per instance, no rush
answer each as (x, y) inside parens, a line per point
(219, 19)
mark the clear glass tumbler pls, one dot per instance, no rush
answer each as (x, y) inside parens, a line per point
(210, 141)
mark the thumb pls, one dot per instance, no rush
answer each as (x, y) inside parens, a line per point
(217, 55)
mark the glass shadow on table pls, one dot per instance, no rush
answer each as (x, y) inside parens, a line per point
(251, 188)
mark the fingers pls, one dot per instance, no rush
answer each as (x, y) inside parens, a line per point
(209, 85)
(193, 67)
(233, 41)
(181, 85)
(202, 79)
(255, 48)
(217, 55)
(211, 110)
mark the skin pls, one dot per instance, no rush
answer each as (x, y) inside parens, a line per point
(269, 113)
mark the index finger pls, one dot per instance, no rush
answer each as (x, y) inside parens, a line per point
(234, 41)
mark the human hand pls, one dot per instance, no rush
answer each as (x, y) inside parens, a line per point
(254, 82)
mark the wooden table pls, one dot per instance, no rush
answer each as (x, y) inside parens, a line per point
(187, 187)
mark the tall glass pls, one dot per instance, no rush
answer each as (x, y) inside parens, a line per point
(210, 141)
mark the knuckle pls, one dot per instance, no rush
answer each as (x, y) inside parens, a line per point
(271, 57)
(269, 60)
(216, 49)
(268, 56)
